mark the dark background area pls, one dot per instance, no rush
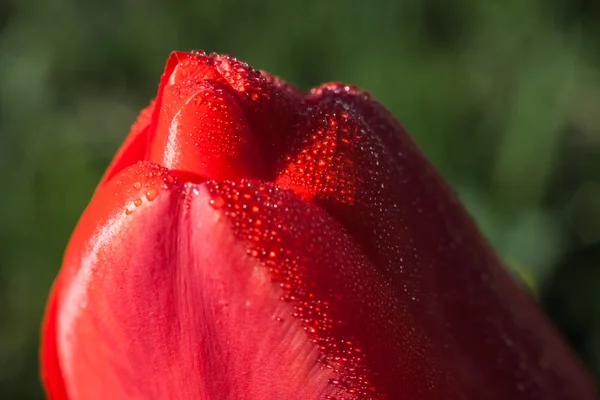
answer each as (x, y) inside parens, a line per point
(504, 98)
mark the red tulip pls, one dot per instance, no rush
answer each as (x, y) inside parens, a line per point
(252, 241)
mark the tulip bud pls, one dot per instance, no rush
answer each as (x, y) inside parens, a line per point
(253, 241)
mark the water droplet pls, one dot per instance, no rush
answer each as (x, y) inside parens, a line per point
(217, 202)
(168, 180)
(151, 194)
(137, 202)
(137, 186)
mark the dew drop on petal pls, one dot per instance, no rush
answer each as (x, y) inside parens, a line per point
(151, 194)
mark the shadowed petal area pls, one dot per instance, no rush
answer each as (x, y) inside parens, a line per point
(356, 162)
(284, 87)
(51, 370)
(268, 109)
(348, 308)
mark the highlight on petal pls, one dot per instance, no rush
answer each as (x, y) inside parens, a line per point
(205, 132)
(218, 118)
(200, 127)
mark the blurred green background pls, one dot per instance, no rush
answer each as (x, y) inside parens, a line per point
(504, 97)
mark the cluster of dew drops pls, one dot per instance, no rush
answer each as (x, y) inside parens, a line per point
(257, 214)
(148, 187)
(238, 74)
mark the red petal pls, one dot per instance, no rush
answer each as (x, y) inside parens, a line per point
(375, 115)
(270, 112)
(479, 325)
(200, 128)
(162, 297)
(348, 308)
(51, 371)
(218, 118)
(209, 111)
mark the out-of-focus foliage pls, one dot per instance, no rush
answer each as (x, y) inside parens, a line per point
(504, 97)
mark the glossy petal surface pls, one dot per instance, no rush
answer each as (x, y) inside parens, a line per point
(252, 241)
